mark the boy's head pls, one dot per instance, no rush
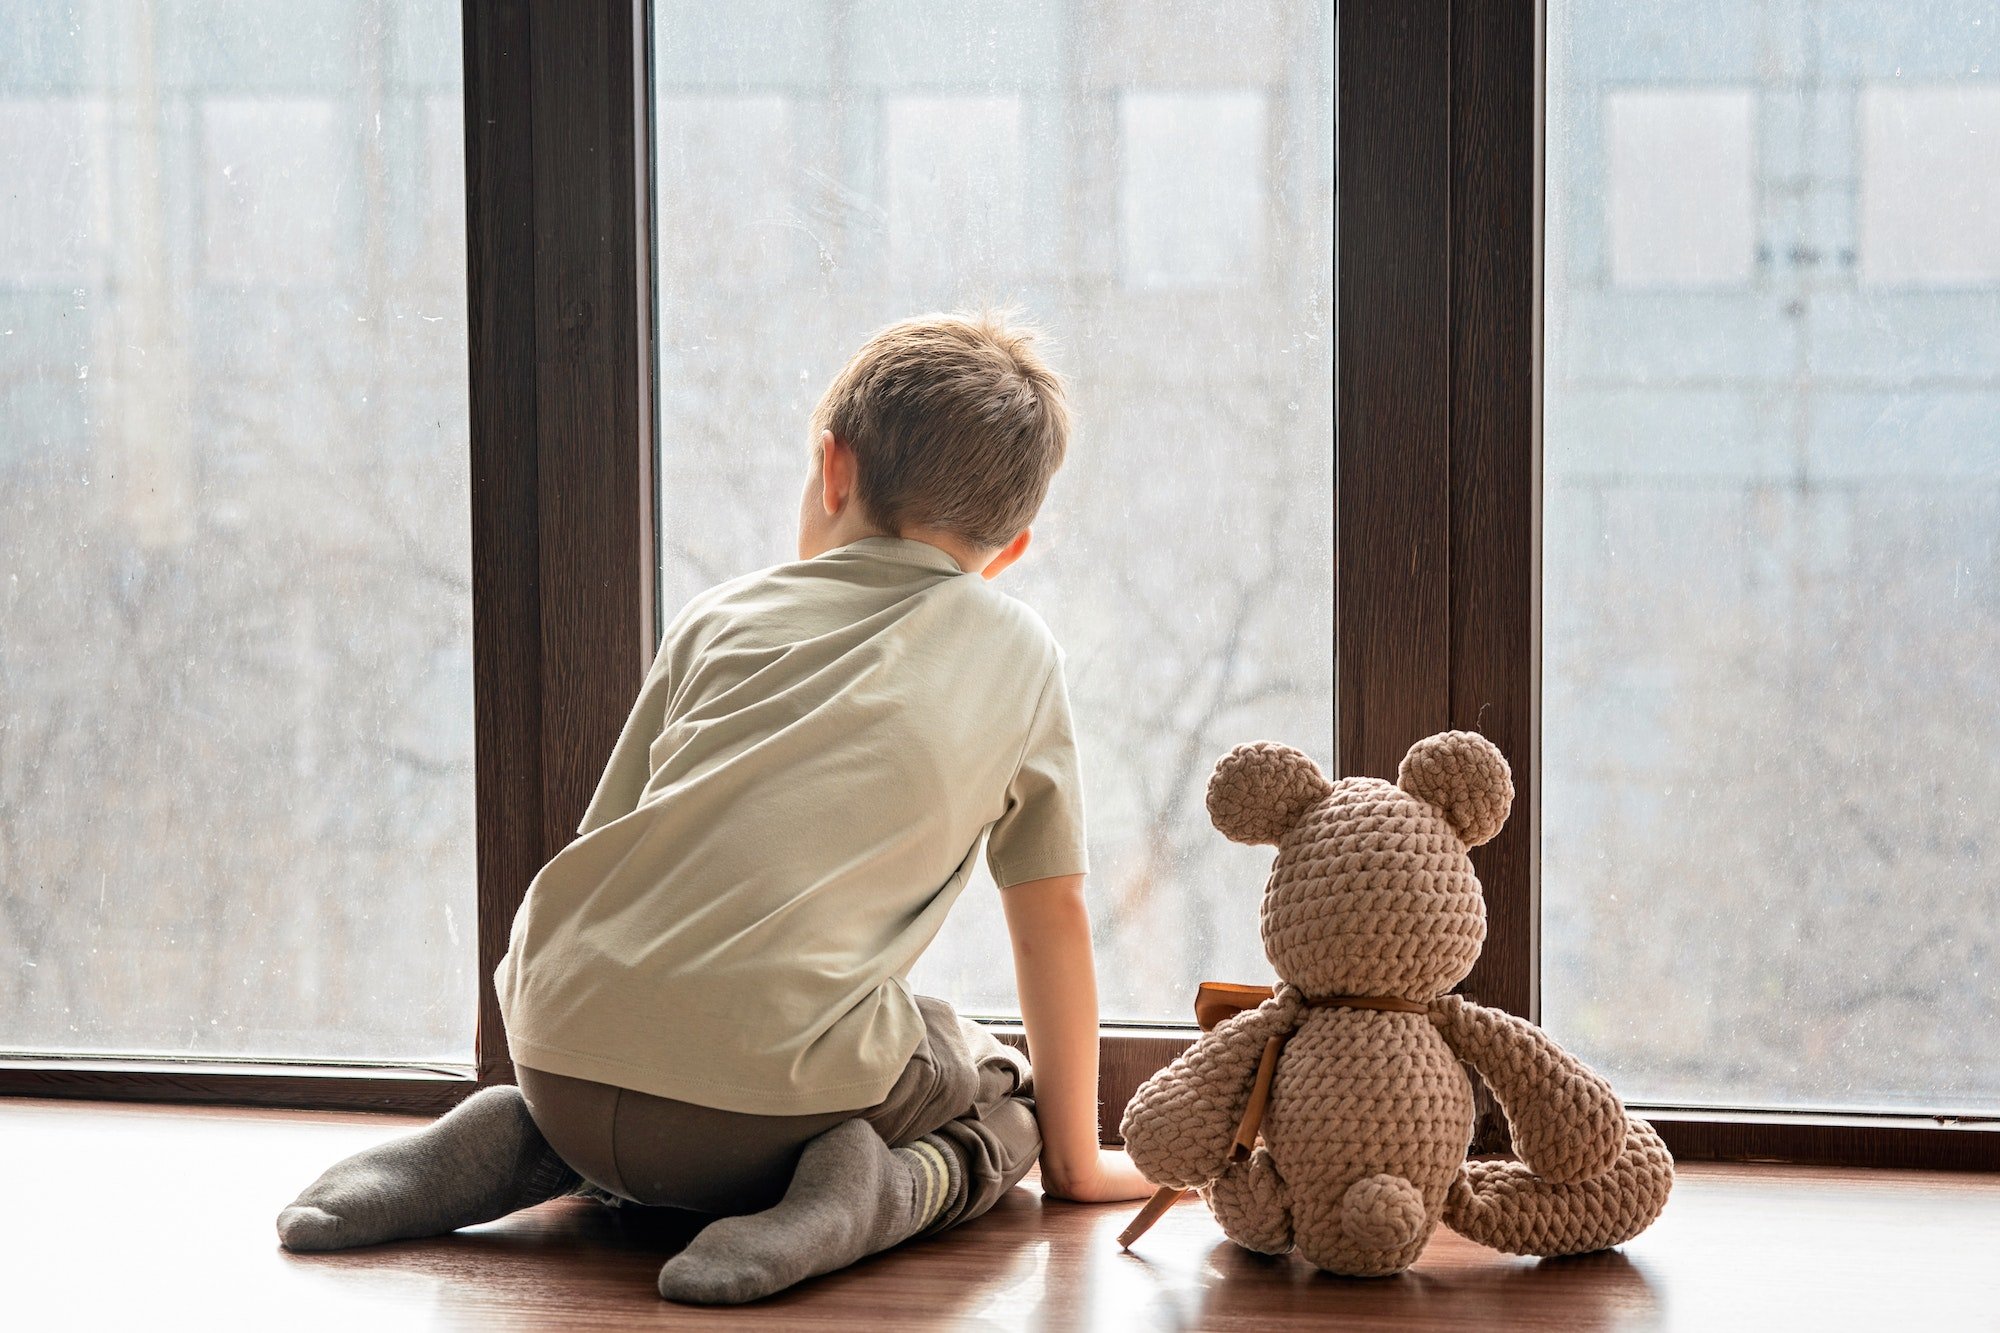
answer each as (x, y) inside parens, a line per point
(945, 428)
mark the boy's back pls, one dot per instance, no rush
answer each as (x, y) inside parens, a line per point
(793, 806)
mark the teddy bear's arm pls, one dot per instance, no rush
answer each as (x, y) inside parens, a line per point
(1180, 1124)
(1567, 1123)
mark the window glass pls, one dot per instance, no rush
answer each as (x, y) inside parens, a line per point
(1930, 183)
(1695, 227)
(1191, 192)
(1771, 598)
(1152, 185)
(235, 610)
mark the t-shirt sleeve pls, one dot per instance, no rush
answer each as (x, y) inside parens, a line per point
(1040, 834)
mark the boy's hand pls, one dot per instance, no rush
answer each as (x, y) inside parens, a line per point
(1057, 977)
(1110, 1178)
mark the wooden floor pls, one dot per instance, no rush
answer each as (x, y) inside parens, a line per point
(126, 1216)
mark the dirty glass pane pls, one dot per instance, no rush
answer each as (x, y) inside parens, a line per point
(235, 616)
(1151, 184)
(1772, 565)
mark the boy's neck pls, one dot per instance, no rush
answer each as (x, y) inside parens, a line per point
(969, 558)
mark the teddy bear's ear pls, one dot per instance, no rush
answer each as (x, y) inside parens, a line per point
(1464, 775)
(1259, 791)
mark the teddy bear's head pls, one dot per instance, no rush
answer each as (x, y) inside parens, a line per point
(1373, 891)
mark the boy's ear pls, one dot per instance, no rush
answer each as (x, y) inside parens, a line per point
(837, 472)
(1009, 553)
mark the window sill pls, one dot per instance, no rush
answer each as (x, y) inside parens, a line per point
(416, 1089)
(1131, 1055)
(1928, 1142)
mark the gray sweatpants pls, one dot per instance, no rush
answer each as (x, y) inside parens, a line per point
(962, 1084)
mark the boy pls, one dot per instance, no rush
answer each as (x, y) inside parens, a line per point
(704, 992)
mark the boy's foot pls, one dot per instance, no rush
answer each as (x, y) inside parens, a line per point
(851, 1196)
(484, 1160)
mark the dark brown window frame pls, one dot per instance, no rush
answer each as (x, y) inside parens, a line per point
(1437, 262)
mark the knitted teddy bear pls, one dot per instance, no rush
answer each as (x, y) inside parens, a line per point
(1371, 915)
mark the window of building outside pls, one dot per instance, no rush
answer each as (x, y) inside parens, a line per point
(1771, 597)
(1154, 187)
(236, 794)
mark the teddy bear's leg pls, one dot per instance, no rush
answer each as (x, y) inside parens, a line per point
(1377, 1229)
(1509, 1207)
(1249, 1200)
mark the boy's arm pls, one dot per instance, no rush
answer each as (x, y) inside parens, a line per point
(1057, 981)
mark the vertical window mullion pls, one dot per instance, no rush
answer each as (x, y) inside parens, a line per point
(563, 430)
(1392, 363)
(506, 580)
(1494, 401)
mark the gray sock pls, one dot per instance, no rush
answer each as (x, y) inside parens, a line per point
(484, 1160)
(851, 1196)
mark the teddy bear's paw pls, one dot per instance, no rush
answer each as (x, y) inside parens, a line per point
(1248, 1200)
(1383, 1212)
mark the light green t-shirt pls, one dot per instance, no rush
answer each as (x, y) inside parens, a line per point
(793, 806)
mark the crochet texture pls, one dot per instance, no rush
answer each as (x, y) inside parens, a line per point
(1364, 1141)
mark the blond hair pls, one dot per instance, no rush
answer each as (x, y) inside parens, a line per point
(956, 423)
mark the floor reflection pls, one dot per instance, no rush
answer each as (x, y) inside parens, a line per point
(1030, 1264)
(1191, 1278)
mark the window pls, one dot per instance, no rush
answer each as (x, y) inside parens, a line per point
(1771, 598)
(1154, 188)
(952, 184)
(272, 170)
(1191, 196)
(1679, 186)
(53, 214)
(1930, 183)
(236, 806)
(1766, 474)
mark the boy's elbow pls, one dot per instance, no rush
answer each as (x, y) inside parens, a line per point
(1058, 1181)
